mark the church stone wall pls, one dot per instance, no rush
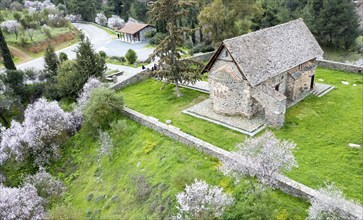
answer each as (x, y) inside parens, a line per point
(299, 80)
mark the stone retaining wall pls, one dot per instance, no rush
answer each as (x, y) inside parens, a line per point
(202, 57)
(133, 79)
(340, 66)
(284, 183)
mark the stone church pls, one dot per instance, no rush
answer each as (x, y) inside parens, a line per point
(264, 72)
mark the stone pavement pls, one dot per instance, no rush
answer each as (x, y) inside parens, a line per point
(204, 110)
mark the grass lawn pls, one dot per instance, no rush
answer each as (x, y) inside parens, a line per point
(321, 127)
(137, 64)
(38, 36)
(143, 176)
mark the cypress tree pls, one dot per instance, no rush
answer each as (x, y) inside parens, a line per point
(172, 69)
(8, 61)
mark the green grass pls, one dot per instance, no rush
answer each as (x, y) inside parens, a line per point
(137, 64)
(110, 191)
(321, 127)
(341, 55)
(39, 36)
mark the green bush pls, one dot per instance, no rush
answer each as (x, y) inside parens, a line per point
(131, 56)
(156, 38)
(121, 59)
(68, 81)
(102, 108)
(63, 56)
(102, 54)
(201, 48)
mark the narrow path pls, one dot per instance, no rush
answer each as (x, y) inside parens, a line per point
(23, 57)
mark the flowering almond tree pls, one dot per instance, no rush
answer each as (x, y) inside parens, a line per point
(324, 206)
(44, 128)
(21, 203)
(11, 26)
(263, 157)
(202, 201)
(115, 22)
(101, 19)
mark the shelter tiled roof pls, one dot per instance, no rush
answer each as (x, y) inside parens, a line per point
(269, 52)
(132, 28)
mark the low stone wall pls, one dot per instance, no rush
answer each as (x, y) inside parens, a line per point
(133, 79)
(340, 66)
(202, 57)
(284, 183)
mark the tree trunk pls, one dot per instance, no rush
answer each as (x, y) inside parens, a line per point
(5, 120)
(178, 94)
(8, 61)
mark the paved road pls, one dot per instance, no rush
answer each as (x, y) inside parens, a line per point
(100, 40)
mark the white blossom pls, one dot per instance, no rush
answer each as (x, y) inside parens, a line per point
(115, 22)
(46, 184)
(202, 201)
(263, 157)
(132, 20)
(73, 18)
(45, 126)
(101, 19)
(106, 145)
(11, 26)
(88, 87)
(324, 205)
(37, 5)
(20, 203)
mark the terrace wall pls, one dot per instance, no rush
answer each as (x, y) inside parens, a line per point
(284, 183)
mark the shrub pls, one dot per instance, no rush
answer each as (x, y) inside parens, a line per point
(46, 30)
(155, 37)
(63, 56)
(47, 186)
(68, 80)
(201, 48)
(121, 59)
(258, 204)
(102, 54)
(131, 56)
(23, 41)
(103, 107)
(119, 126)
(142, 188)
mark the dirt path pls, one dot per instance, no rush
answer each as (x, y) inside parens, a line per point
(23, 57)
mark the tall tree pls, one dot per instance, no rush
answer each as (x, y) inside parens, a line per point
(224, 19)
(86, 8)
(172, 68)
(88, 62)
(8, 61)
(335, 22)
(51, 61)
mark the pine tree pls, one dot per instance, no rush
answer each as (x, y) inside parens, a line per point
(336, 22)
(51, 61)
(8, 61)
(88, 62)
(173, 69)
